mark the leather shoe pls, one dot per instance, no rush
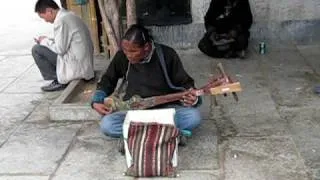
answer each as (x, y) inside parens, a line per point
(53, 86)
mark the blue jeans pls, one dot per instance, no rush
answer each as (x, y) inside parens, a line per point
(186, 118)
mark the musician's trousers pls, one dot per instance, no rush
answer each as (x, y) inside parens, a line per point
(186, 118)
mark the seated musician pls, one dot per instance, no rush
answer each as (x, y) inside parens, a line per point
(139, 63)
(227, 24)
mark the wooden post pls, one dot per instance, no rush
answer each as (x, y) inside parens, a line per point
(94, 26)
(108, 28)
(131, 12)
(112, 23)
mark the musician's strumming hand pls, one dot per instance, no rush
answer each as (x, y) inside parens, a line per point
(190, 98)
(102, 109)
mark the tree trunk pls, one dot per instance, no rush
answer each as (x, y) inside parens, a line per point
(108, 28)
(131, 12)
(111, 17)
(112, 8)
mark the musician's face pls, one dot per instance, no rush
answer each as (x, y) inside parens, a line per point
(135, 52)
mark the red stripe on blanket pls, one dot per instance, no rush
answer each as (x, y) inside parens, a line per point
(151, 146)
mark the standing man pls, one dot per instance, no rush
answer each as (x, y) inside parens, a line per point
(69, 55)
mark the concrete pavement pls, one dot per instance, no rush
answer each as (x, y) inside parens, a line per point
(271, 133)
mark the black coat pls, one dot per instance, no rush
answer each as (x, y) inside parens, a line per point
(239, 19)
(146, 79)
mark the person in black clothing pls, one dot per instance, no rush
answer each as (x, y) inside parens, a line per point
(138, 62)
(227, 24)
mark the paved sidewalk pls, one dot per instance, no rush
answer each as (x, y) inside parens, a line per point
(271, 133)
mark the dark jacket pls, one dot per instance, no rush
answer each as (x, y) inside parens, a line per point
(240, 17)
(145, 79)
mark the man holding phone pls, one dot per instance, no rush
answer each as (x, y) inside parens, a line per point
(67, 56)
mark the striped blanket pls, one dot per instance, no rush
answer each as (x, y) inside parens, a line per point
(151, 148)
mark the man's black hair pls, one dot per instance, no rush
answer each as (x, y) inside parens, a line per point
(138, 35)
(41, 5)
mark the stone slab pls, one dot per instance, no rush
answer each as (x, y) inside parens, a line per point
(2, 58)
(72, 112)
(92, 157)
(24, 177)
(311, 54)
(285, 60)
(309, 50)
(36, 149)
(294, 88)
(4, 83)
(305, 126)
(40, 114)
(201, 152)
(20, 64)
(7, 127)
(316, 174)
(194, 60)
(253, 83)
(18, 105)
(236, 67)
(190, 175)
(263, 158)
(14, 109)
(64, 108)
(101, 153)
(256, 125)
(253, 99)
(29, 82)
(252, 125)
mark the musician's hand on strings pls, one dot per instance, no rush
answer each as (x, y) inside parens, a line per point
(190, 98)
(101, 109)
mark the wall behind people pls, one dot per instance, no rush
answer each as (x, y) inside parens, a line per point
(297, 20)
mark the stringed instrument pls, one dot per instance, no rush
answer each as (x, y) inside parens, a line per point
(215, 86)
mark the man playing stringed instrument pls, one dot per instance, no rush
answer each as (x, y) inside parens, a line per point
(139, 64)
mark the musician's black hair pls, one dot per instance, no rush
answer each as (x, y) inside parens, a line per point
(138, 35)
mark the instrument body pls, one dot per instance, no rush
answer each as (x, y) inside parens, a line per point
(215, 86)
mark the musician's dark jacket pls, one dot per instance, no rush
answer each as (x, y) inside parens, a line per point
(144, 79)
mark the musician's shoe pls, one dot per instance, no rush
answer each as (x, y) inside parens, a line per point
(54, 86)
(182, 140)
